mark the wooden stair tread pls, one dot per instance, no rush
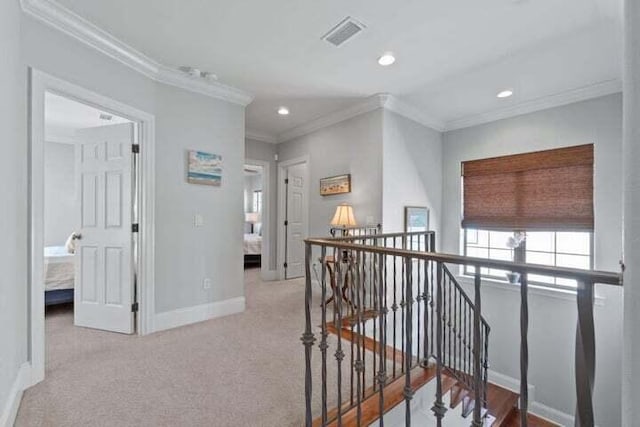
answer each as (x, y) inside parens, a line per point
(393, 395)
(500, 402)
(513, 420)
(370, 344)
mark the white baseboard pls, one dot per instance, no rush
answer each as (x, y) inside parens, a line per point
(551, 414)
(10, 410)
(535, 408)
(186, 316)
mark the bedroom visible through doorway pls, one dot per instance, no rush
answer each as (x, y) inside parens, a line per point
(89, 188)
(253, 215)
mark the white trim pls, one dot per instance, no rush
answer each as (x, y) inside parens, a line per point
(535, 408)
(40, 83)
(267, 234)
(413, 113)
(269, 275)
(596, 90)
(199, 313)
(551, 414)
(533, 290)
(21, 382)
(369, 104)
(282, 209)
(68, 22)
(260, 136)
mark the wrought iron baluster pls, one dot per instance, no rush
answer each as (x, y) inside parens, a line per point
(382, 375)
(323, 337)
(375, 277)
(339, 354)
(524, 349)
(359, 353)
(425, 323)
(439, 409)
(477, 368)
(308, 337)
(585, 356)
(394, 307)
(408, 391)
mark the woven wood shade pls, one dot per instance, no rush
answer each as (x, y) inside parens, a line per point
(545, 190)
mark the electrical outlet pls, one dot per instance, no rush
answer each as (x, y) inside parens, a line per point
(206, 283)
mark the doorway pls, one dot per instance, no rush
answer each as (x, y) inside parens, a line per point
(294, 217)
(89, 208)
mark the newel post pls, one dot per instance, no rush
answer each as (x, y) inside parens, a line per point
(585, 356)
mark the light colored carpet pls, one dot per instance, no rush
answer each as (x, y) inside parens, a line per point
(241, 370)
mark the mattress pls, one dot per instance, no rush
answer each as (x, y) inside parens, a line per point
(59, 268)
(252, 244)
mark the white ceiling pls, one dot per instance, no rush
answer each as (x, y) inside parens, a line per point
(64, 116)
(452, 56)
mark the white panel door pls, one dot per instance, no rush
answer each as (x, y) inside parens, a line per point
(297, 220)
(103, 268)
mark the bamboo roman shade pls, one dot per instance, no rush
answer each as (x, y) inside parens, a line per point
(546, 190)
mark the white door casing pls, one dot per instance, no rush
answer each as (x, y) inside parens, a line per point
(296, 219)
(104, 262)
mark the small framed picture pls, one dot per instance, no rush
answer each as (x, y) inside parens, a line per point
(204, 168)
(335, 185)
(416, 218)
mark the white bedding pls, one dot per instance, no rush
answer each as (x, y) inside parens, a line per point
(59, 268)
(252, 244)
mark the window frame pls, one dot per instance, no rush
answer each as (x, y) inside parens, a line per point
(520, 253)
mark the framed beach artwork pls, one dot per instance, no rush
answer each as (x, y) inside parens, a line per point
(335, 185)
(204, 168)
(416, 218)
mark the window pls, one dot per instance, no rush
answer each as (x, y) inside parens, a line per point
(548, 194)
(257, 201)
(555, 248)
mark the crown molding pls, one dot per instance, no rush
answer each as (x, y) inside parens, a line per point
(260, 136)
(413, 113)
(584, 93)
(59, 17)
(369, 104)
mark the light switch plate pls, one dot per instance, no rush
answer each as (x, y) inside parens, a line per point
(198, 220)
(206, 283)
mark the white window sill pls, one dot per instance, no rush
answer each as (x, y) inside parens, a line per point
(548, 292)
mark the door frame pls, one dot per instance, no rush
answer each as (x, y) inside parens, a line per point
(282, 208)
(39, 84)
(267, 233)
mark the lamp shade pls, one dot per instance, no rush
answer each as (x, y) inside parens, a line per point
(252, 217)
(343, 216)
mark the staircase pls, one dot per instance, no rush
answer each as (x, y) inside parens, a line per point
(401, 342)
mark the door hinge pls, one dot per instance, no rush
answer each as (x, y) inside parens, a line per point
(286, 180)
(135, 148)
(134, 307)
(286, 223)
(134, 228)
(285, 265)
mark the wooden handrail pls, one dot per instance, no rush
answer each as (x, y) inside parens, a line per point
(584, 276)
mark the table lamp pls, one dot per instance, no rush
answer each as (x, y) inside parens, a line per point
(343, 217)
(252, 218)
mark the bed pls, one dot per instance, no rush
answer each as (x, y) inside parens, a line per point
(59, 275)
(252, 249)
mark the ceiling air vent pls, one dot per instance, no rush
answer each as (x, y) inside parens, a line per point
(344, 31)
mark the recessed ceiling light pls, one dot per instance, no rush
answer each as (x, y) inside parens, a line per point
(505, 93)
(283, 111)
(386, 59)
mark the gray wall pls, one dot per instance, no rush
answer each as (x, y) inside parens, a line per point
(412, 171)
(553, 319)
(13, 190)
(353, 146)
(256, 150)
(60, 206)
(184, 120)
